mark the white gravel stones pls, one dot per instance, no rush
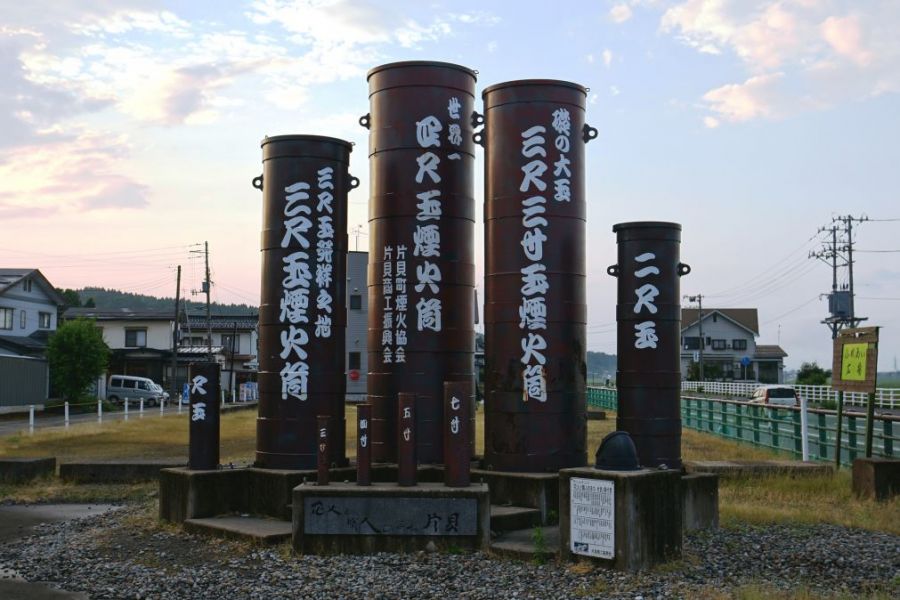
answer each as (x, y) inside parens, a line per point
(107, 557)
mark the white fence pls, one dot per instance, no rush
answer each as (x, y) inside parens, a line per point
(884, 397)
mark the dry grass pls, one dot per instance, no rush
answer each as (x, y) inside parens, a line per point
(53, 490)
(819, 499)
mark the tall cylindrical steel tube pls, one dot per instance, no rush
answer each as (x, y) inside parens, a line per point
(535, 302)
(421, 245)
(648, 313)
(302, 316)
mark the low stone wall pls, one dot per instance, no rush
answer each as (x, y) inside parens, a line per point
(22, 470)
(109, 471)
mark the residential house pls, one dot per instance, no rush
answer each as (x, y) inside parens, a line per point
(141, 343)
(28, 309)
(730, 350)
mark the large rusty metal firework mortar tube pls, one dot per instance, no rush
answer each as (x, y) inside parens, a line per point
(421, 245)
(648, 313)
(302, 316)
(535, 302)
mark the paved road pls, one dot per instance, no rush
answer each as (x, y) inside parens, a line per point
(19, 423)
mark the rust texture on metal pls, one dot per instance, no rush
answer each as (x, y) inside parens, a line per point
(407, 407)
(458, 398)
(203, 433)
(421, 272)
(323, 434)
(648, 315)
(363, 445)
(302, 316)
(535, 300)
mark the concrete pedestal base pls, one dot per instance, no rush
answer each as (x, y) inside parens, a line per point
(531, 490)
(700, 501)
(625, 520)
(877, 478)
(349, 519)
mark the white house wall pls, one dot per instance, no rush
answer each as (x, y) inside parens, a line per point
(159, 333)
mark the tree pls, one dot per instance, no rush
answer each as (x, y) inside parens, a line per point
(78, 356)
(812, 374)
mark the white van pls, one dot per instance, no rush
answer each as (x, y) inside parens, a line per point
(134, 388)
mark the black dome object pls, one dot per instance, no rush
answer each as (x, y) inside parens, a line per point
(617, 453)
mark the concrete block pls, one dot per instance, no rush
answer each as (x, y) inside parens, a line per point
(248, 529)
(22, 470)
(877, 478)
(529, 490)
(625, 520)
(700, 501)
(186, 494)
(120, 471)
(344, 518)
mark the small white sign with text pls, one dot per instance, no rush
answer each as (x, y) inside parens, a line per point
(592, 521)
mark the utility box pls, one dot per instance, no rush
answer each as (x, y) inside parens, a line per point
(624, 520)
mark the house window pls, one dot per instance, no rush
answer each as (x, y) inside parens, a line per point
(355, 301)
(6, 318)
(354, 360)
(22, 319)
(691, 343)
(135, 338)
(718, 344)
(739, 344)
(27, 284)
(227, 339)
(44, 320)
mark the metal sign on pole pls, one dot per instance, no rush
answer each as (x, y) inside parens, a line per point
(855, 369)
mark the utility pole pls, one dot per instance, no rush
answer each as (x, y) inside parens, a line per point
(841, 302)
(207, 285)
(174, 384)
(699, 300)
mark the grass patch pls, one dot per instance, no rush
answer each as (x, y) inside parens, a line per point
(52, 490)
(765, 591)
(809, 500)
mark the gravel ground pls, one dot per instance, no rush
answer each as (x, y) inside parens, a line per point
(127, 554)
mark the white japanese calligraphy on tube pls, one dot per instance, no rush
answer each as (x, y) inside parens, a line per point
(295, 291)
(645, 331)
(533, 310)
(325, 252)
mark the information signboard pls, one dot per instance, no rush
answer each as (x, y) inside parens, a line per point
(855, 360)
(592, 517)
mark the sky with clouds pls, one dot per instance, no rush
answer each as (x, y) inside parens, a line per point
(131, 129)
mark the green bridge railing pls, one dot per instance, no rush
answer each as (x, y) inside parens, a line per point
(777, 427)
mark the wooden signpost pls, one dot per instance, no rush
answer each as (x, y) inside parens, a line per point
(855, 369)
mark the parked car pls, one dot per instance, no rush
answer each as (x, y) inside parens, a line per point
(776, 395)
(134, 388)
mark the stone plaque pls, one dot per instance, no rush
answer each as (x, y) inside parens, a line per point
(592, 513)
(335, 515)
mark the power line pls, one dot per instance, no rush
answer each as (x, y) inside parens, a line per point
(793, 310)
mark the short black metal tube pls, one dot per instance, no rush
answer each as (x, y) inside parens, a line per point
(406, 439)
(203, 445)
(323, 434)
(363, 444)
(458, 398)
(648, 315)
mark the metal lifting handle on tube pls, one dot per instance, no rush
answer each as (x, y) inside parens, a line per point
(535, 311)
(648, 314)
(421, 274)
(302, 315)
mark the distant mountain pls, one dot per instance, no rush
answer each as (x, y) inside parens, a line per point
(601, 363)
(106, 299)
